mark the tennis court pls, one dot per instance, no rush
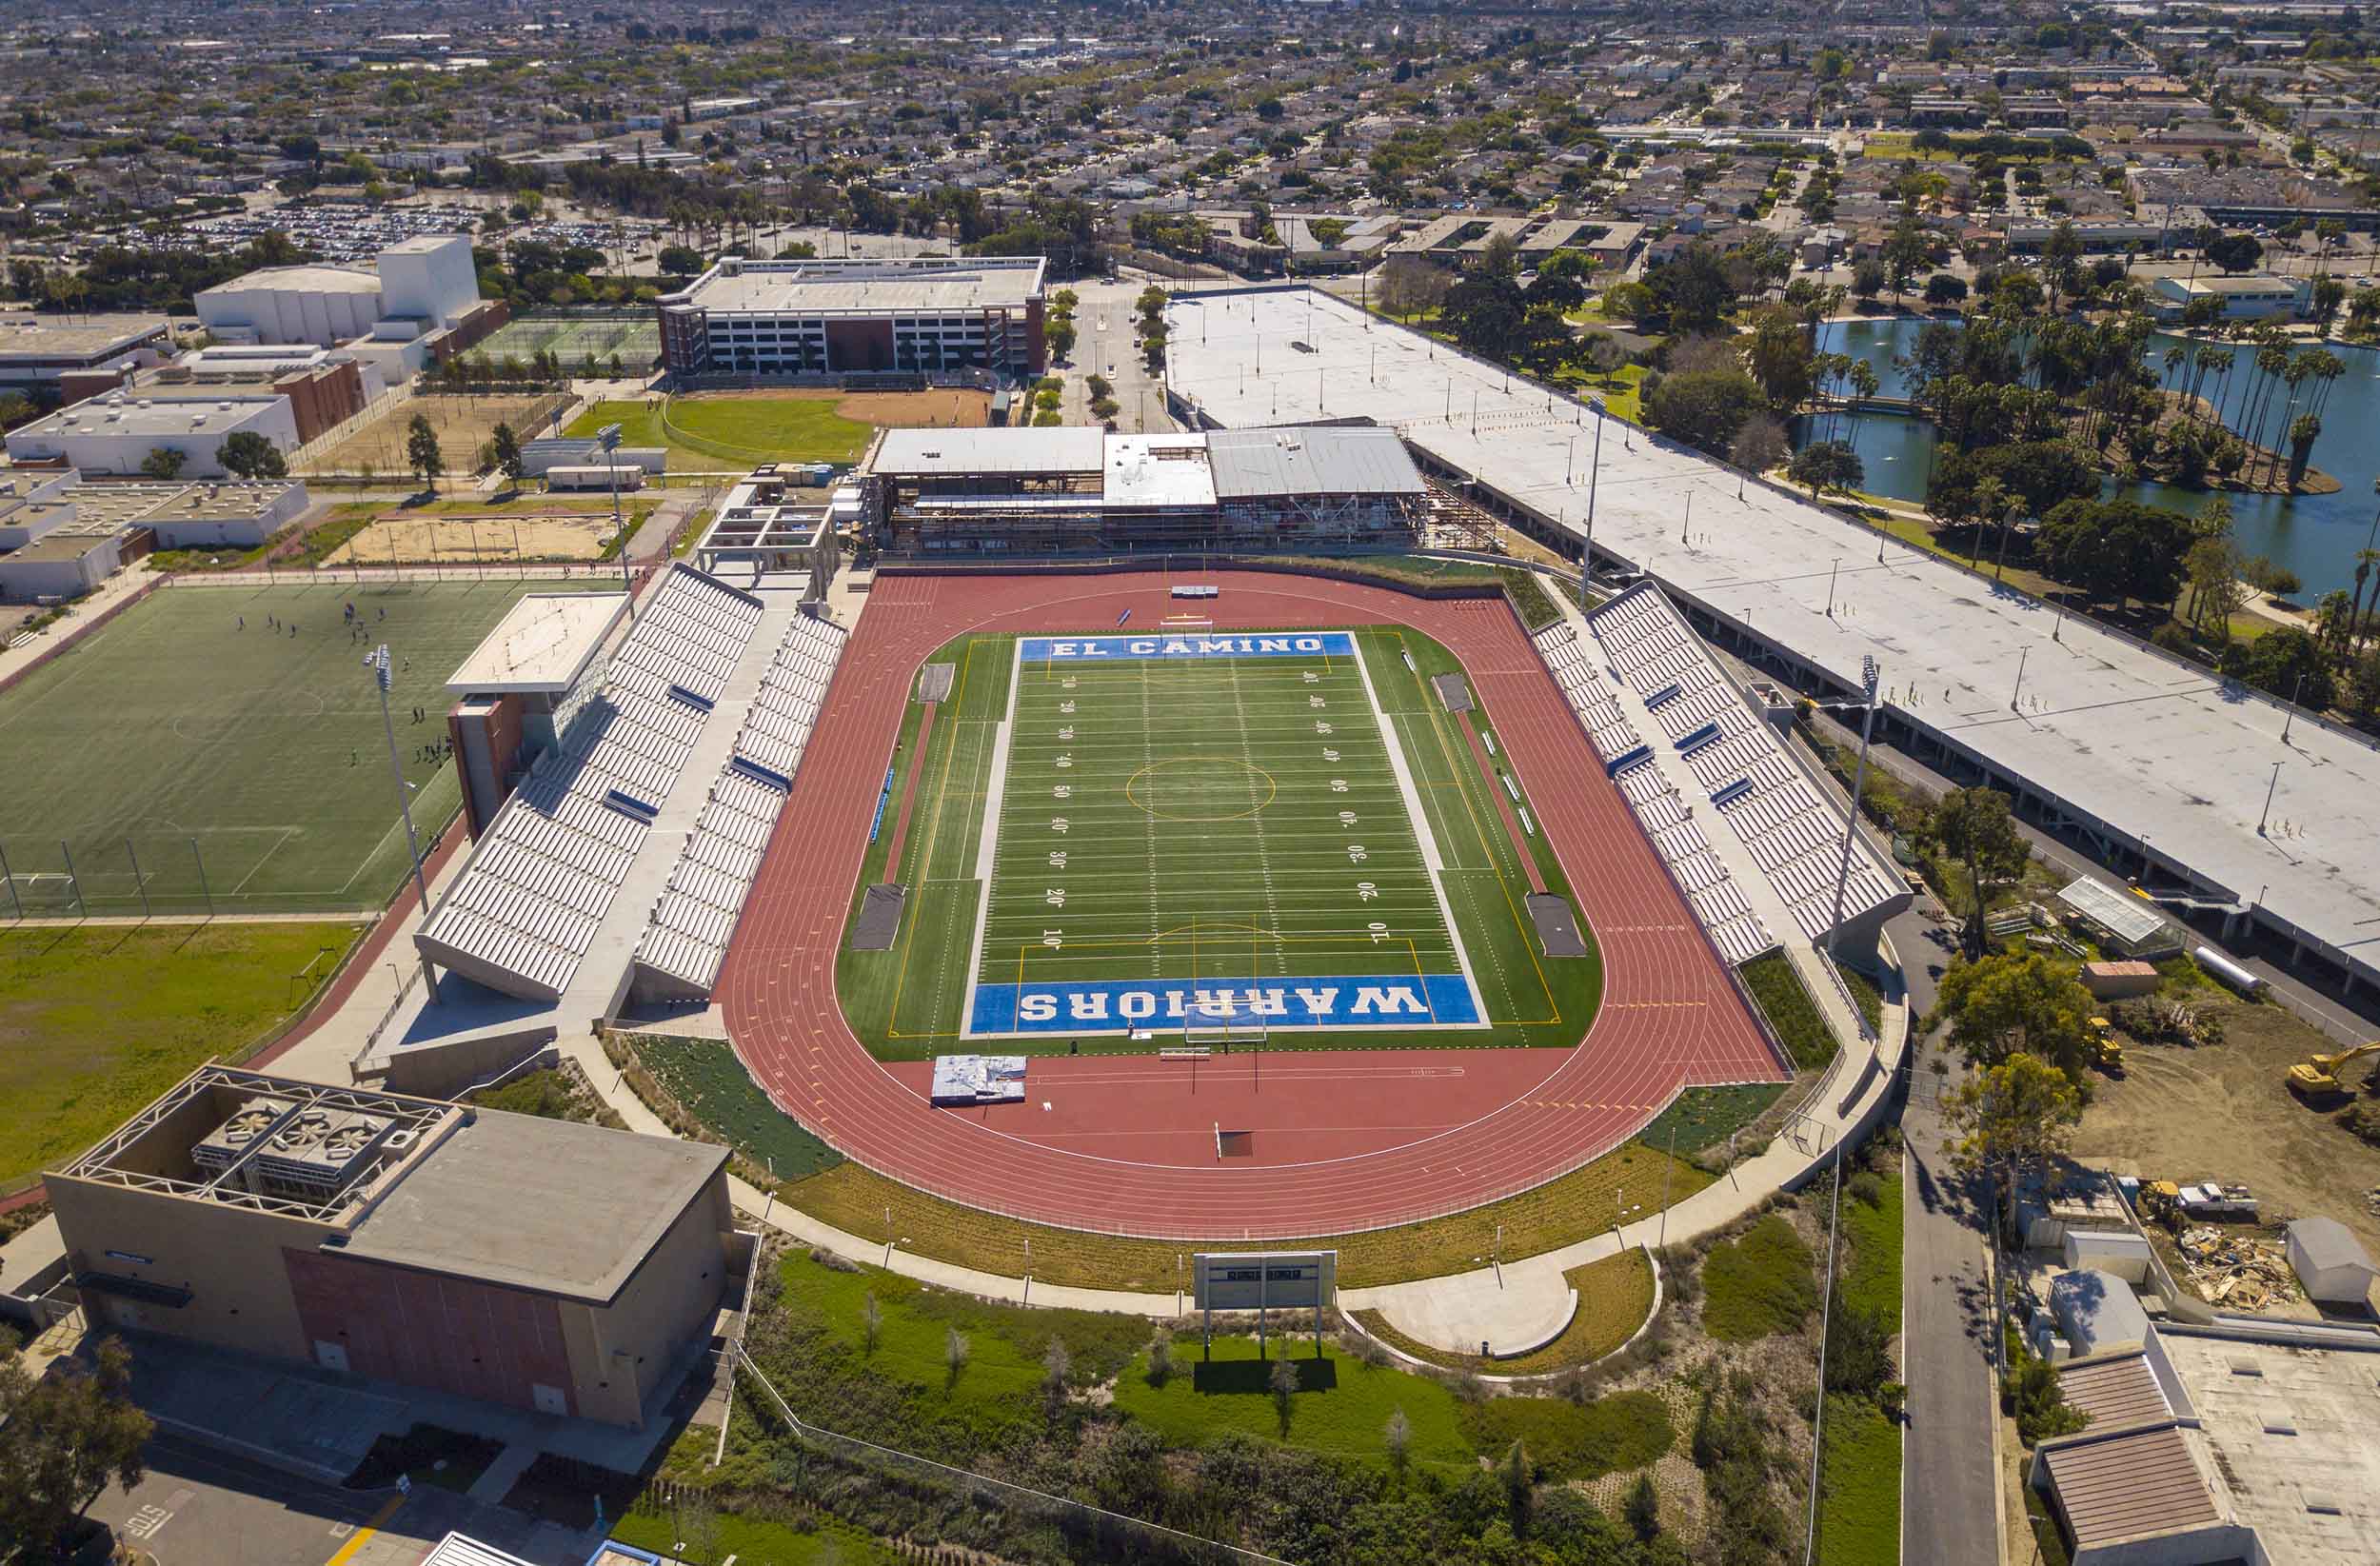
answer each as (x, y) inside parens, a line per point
(578, 340)
(226, 741)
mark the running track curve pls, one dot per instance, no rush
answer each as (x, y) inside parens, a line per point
(1670, 1016)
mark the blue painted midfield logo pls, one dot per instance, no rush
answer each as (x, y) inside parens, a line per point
(1059, 649)
(1413, 1000)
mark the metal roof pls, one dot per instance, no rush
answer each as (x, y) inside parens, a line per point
(2123, 916)
(968, 451)
(2324, 1242)
(462, 1550)
(543, 645)
(2127, 1486)
(1158, 470)
(2117, 1390)
(1253, 464)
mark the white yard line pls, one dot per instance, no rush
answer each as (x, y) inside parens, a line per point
(1420, 822)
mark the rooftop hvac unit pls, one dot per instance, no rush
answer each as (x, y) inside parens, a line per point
(236, 1136)
(331, 1149)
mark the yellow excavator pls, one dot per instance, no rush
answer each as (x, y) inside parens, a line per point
(2317, 1076)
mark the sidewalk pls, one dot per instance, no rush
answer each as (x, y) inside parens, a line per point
(1507, 1307)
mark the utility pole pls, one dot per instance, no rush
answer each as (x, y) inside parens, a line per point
(1868, 673)
(609, 438)
(378, 662)
(2268, 791)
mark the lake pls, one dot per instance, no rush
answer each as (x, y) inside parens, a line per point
(2316, 536)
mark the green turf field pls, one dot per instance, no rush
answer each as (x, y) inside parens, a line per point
(252, 752)
(97, 1021)
(705, 432)
(1224, 823)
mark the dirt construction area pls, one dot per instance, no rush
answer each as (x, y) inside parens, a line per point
(403, 537)
(463, 425)
(2221, 1112)
(946, 405)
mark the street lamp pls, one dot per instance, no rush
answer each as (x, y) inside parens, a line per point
(378, 662)
(609, 437)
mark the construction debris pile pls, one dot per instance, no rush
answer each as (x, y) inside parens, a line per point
(2238, 1271)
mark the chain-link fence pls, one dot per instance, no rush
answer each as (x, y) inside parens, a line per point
(142, 873)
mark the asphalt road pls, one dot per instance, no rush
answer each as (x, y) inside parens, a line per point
(197, 1507)
(1104, 318)
(1950, 1495)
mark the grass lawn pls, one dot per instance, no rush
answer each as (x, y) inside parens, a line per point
(96, 1021)
(1860, 1503)
(751, 1541)
(1614, 1296)
(701, 432)
(1758, 1284)
(1622, 391)
(1151, 863)
(853, 1198)
(258, 751)
(1704, 1116)
(1341, 1407)
(1796, 1017)
(1873, 1282)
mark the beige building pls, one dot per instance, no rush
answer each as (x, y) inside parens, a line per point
(537, 1264)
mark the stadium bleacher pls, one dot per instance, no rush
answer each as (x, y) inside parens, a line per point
(686, 939)
(526, 908)
(1792, 834)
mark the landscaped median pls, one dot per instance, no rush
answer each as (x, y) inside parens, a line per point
(1615, 1296)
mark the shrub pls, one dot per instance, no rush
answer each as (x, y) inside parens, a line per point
(2364, 1120)
(1865, 1189)
(1568, 1441)
(1758, 1284)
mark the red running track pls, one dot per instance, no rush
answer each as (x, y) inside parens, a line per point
(1344, 1140)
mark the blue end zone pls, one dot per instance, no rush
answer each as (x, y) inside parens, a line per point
(1410, 1000)
(1079, 649)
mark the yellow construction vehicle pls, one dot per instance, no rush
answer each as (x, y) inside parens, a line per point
(2161, 1202)
(2107, 1051)
(2317, 1076)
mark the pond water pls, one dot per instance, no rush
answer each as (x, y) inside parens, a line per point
(2316, 536)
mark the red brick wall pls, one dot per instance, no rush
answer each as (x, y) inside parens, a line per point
(322, 399)
(1035, 340)
(502, 726)
(472, 1340)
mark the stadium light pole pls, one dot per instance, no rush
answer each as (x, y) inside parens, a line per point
(609, 438)
(1868, 674)
(378, 662)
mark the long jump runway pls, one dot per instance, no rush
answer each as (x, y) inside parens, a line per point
(1342, 1141)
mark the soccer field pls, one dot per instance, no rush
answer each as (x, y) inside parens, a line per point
(244, 765)
(1282, 832)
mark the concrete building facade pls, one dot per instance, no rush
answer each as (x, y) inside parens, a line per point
(824, 320)
(115, 434)
(542, 1264)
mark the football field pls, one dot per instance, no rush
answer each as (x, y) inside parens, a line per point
(1141, 841)
(1203, 830)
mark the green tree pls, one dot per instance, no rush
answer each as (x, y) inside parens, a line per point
(1974, 826)
(2235, 253)
(508, 451)
(1693, 289)
(64, 1439)
(1704, 407)
(164, 462)
(2011, 1119)
(2287, 662)
(1827, 464)
(421, 452)
(2003, 1005)
(246, 455)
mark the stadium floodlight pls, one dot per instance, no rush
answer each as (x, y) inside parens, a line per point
(383, 676)
(608, 438)
(1869, 672)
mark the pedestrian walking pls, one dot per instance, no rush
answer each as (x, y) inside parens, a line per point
(243, 621)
